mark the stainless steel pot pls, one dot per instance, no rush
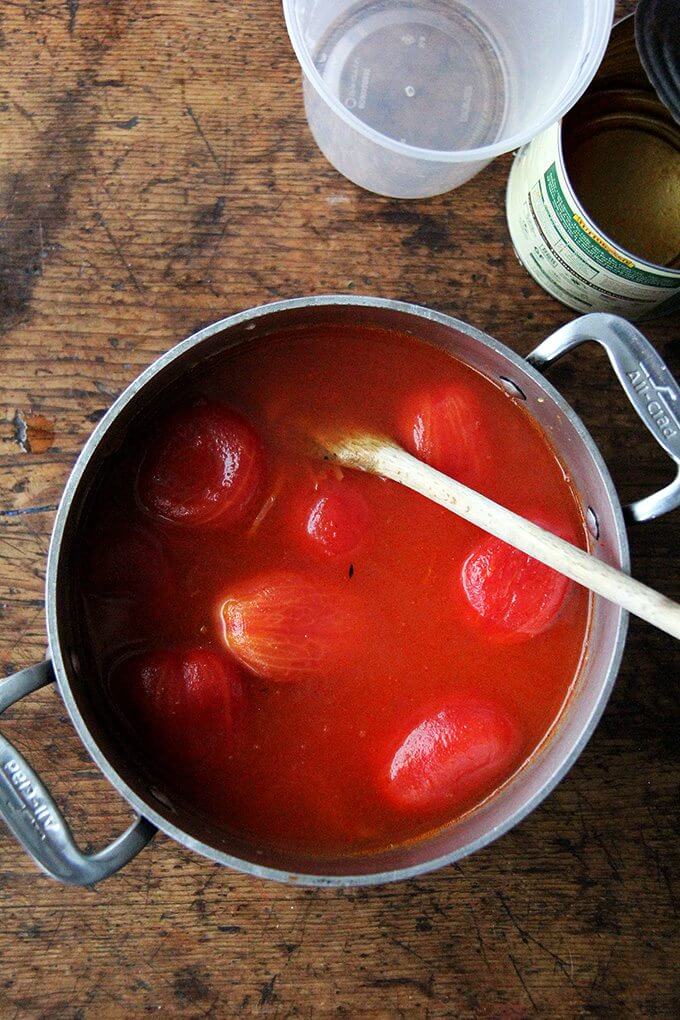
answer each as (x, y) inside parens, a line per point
(26, 805)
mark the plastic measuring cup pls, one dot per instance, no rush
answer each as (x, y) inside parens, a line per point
(411, 98)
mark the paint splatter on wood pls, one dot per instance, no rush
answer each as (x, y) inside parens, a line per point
(33, 433)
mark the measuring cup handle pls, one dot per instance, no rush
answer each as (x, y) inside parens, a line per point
(35, 820)
(647, 382)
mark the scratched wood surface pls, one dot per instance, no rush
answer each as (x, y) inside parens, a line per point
(156, 173)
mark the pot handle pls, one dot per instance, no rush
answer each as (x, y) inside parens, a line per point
(647, 382)
(34, 818)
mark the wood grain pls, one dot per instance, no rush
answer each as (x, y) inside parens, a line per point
(156, 173)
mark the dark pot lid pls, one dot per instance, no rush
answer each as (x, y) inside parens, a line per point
(657, 37)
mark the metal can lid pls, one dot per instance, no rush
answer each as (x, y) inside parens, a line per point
(657, 37)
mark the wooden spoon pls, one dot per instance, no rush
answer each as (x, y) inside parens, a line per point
(378, 455)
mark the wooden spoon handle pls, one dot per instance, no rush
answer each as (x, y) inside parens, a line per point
(383, 457)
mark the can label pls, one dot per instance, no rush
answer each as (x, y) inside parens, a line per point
(564, 251)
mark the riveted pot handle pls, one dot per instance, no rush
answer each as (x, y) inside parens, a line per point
(648, 384)
(34, 818)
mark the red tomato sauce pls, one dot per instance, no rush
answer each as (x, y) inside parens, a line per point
(314, 659)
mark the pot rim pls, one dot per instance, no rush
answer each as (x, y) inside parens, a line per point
(91, 447)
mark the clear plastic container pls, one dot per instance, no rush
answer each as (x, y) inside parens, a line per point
(411, 98)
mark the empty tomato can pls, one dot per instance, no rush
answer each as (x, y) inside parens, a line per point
(593, 203)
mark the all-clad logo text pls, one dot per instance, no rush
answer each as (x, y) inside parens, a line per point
(41, 815)
(658, 400)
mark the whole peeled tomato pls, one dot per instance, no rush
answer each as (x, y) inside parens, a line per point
(457, 754)
(206, 465)
(444, 427)
(179, 703)
(286, 626)
(333, 519)
(512, 594)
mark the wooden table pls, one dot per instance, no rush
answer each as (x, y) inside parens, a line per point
(156, 173)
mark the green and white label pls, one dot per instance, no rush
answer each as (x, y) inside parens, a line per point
(564, 251)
